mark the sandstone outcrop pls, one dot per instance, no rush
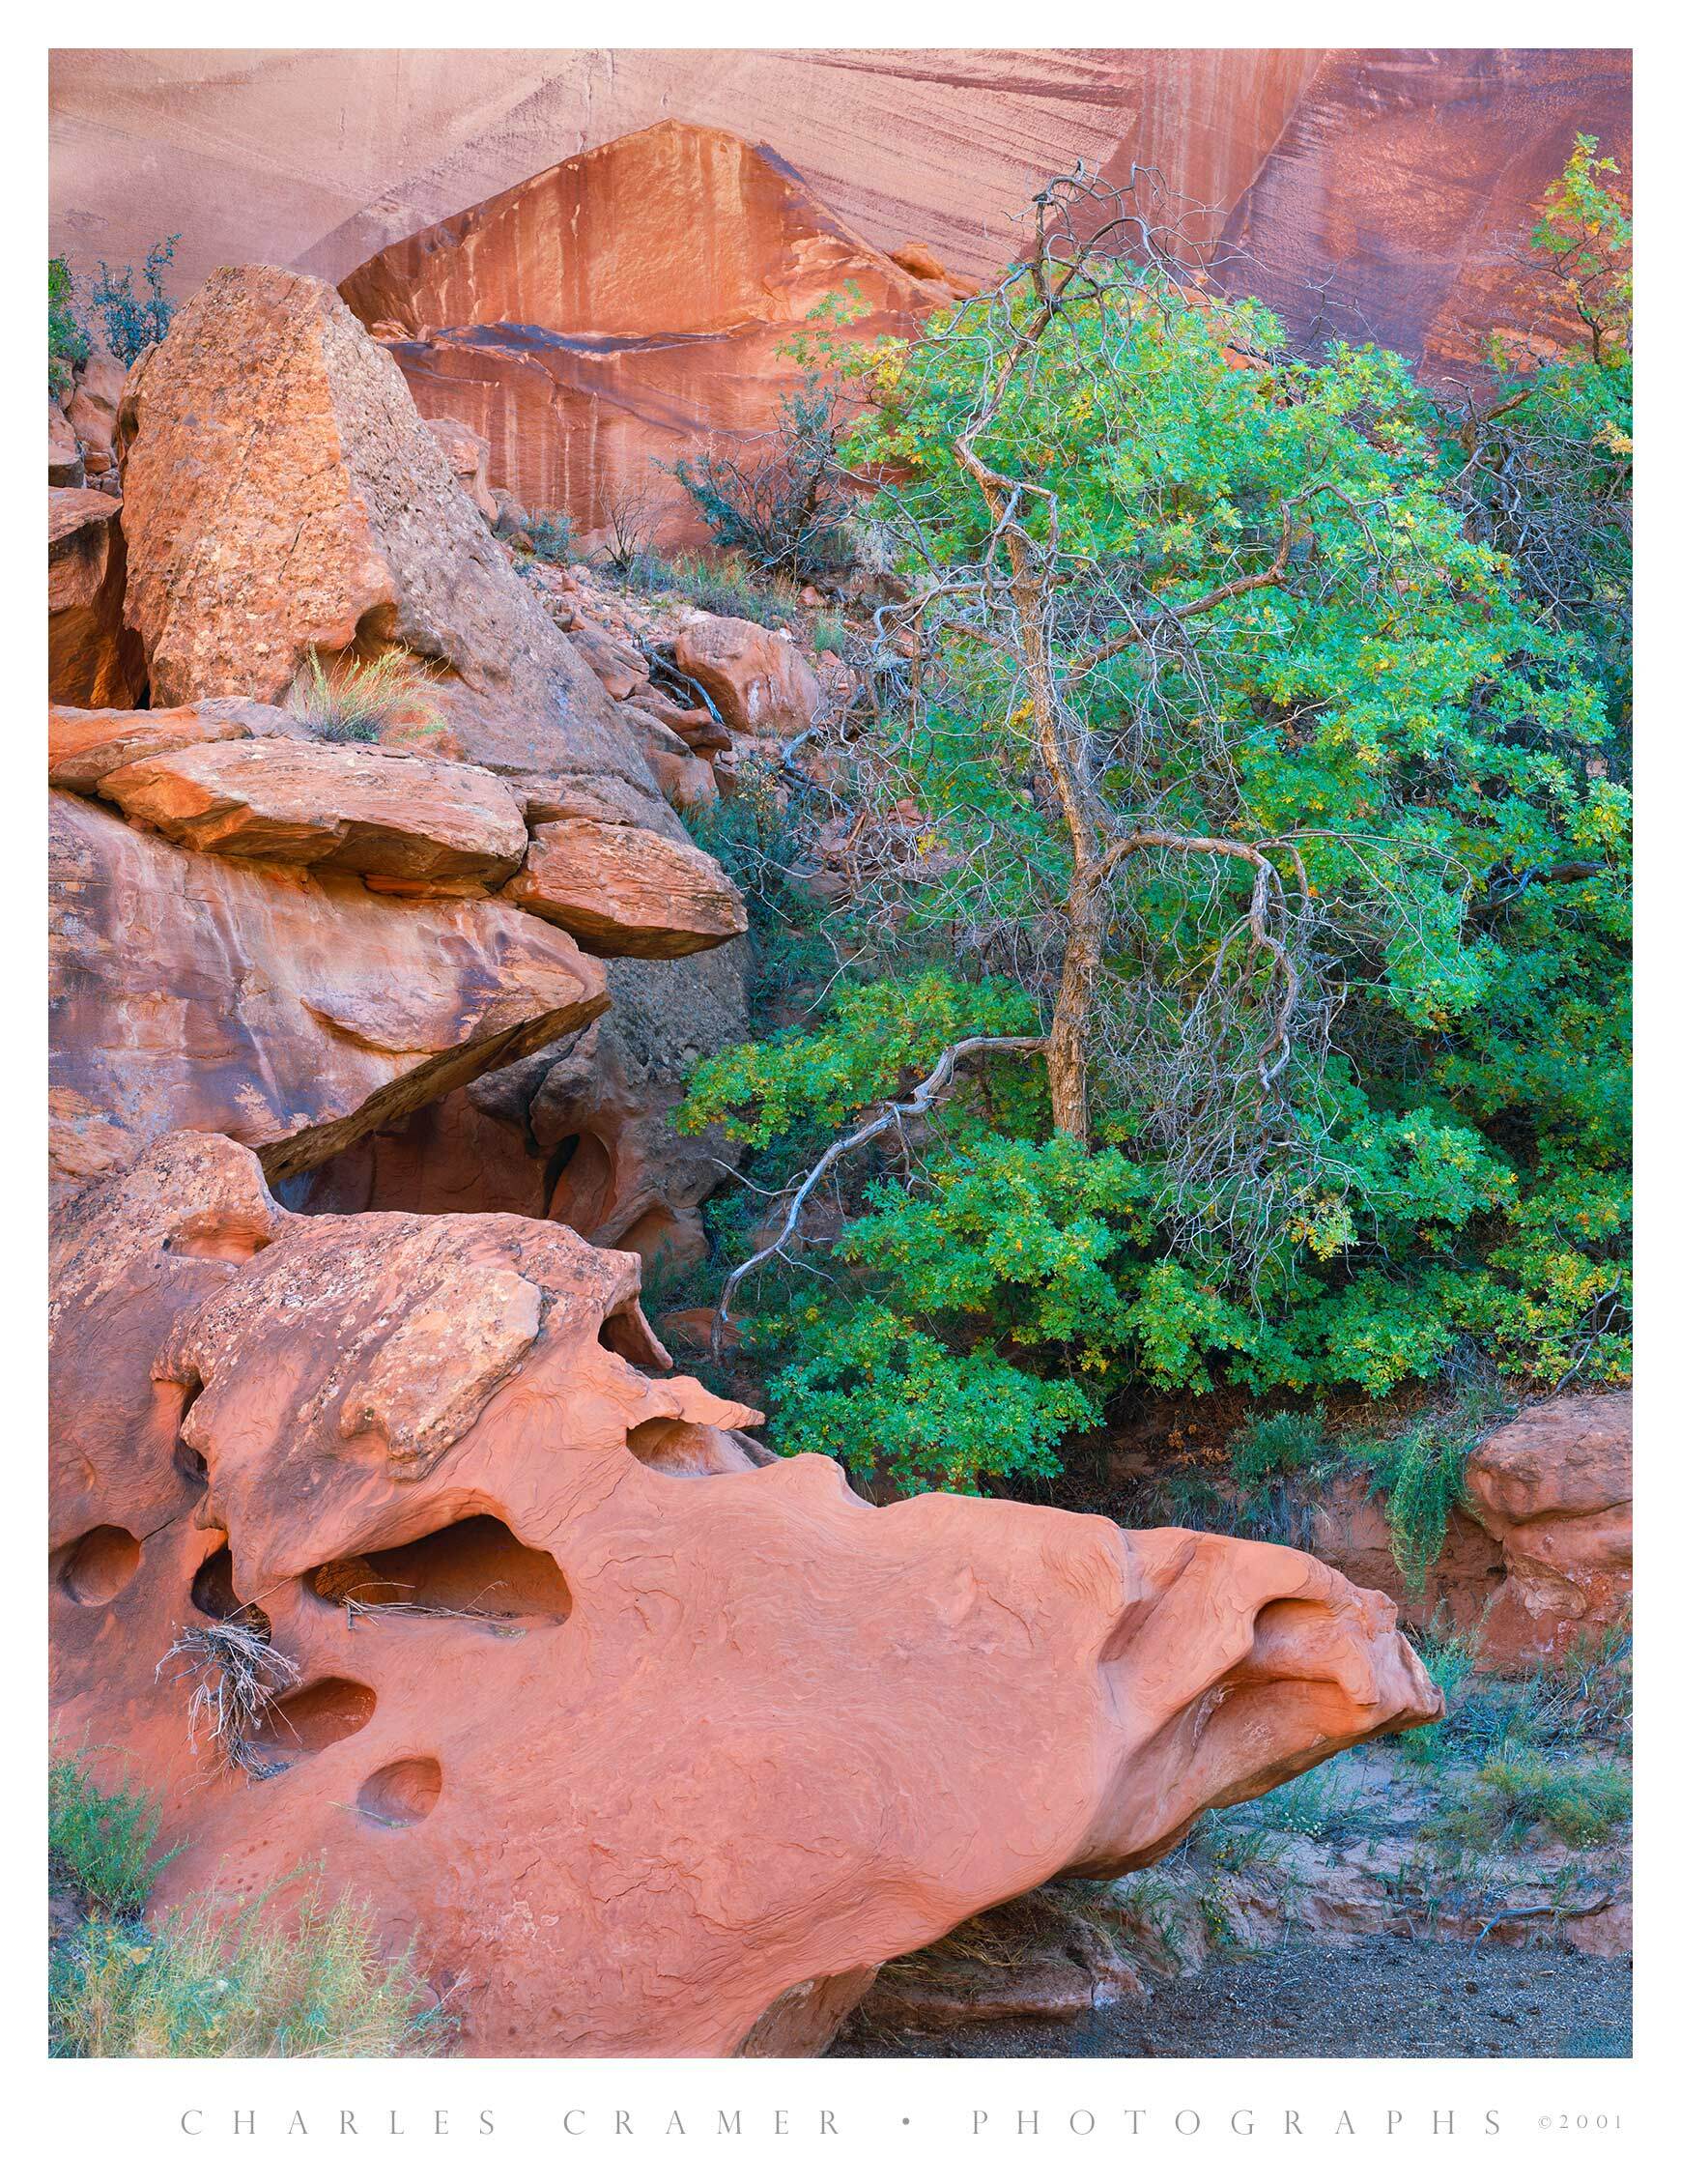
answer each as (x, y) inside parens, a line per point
(330, 808)
(1403, 177)
(289, 1010)
(571, 321)
(467, 454)
(91, 413)
(85, 744)
(653, 1746)
(1555, 1488)
(760, 681)
(64, 458)
(624, 892)
(1538, 1556)
(347, 532)
(580, 1132)
(92, 659)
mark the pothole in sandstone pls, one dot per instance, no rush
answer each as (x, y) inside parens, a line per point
(678, 1450)
(95, 1569)
(315, 1717)
(213, 1596)
(474, 1570)
(401, 1794)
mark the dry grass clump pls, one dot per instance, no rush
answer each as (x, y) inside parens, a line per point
(356, 701)
(239, 1983)
(237, 1674)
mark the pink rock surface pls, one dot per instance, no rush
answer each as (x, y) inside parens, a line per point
(703, 1742)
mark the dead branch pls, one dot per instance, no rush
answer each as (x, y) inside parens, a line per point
(925, 1094)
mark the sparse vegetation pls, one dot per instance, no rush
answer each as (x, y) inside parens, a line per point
(101, 1844)
(551, 536)
(1285, 1445)
(1520, 1791)
(67, 337)
(310, 1981)
(352, 701)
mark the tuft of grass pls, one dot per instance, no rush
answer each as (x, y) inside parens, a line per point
(1280, 1446)
(242, 1983)
(829, 634)
(719, 588)
(356, 701)
(99, 1845)
(237, 1674)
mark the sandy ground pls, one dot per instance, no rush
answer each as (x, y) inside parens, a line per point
(1374, 1996)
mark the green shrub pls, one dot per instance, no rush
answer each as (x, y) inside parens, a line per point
(356, 701)
(242, 1983)
(780, 502)
(99, 1845)
(550, 535)
(1287, 1442)
(66, 338)
(829, 634)
(1521, 1790)
(132, 321)
(1419, 1474)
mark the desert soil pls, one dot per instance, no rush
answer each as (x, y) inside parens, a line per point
(1372, 1997)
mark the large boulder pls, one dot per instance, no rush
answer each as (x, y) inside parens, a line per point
(282, 497)
(651, 1745)
(291, 1011)
(572, 322)
(759, 680)
(92, 659)
(330, 807)
(624, 892)
(92, 413)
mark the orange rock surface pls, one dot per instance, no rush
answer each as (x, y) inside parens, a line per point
(1404, 175)
(699, 1741)
(760, 682)
(291, 1010)
(84, 744)
(91, 658)
(624, 892)
(572, 321)
(350, 532)
(332, 807)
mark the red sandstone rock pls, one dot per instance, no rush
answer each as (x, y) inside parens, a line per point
(64, 458)
(348, 530)
(330, 807)
(761, 683)
(624, 892)
(84, 746)
(92, 412)
(91, 658)
(572, 322)
(290, 1011)
(1538, 1559)
(1554, 1487)
(701, 1742)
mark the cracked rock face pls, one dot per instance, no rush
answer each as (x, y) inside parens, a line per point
(656, 1746)
(293, 1011)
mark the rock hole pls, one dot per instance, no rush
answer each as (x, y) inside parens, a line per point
(401, 1794)
(628, 1335)
(681, 1450)
(214, 1595)
(321, 1713)
(475, 1568)
(95, 1569)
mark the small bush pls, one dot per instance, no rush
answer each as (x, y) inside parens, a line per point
(101, 1846)
(66, 338)
(1419, 1474)
(209, 1983)
(1290, 1442)
(132, 321)
(1521, 1790)
(785, 505)
(551, 535)
(356, 701)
